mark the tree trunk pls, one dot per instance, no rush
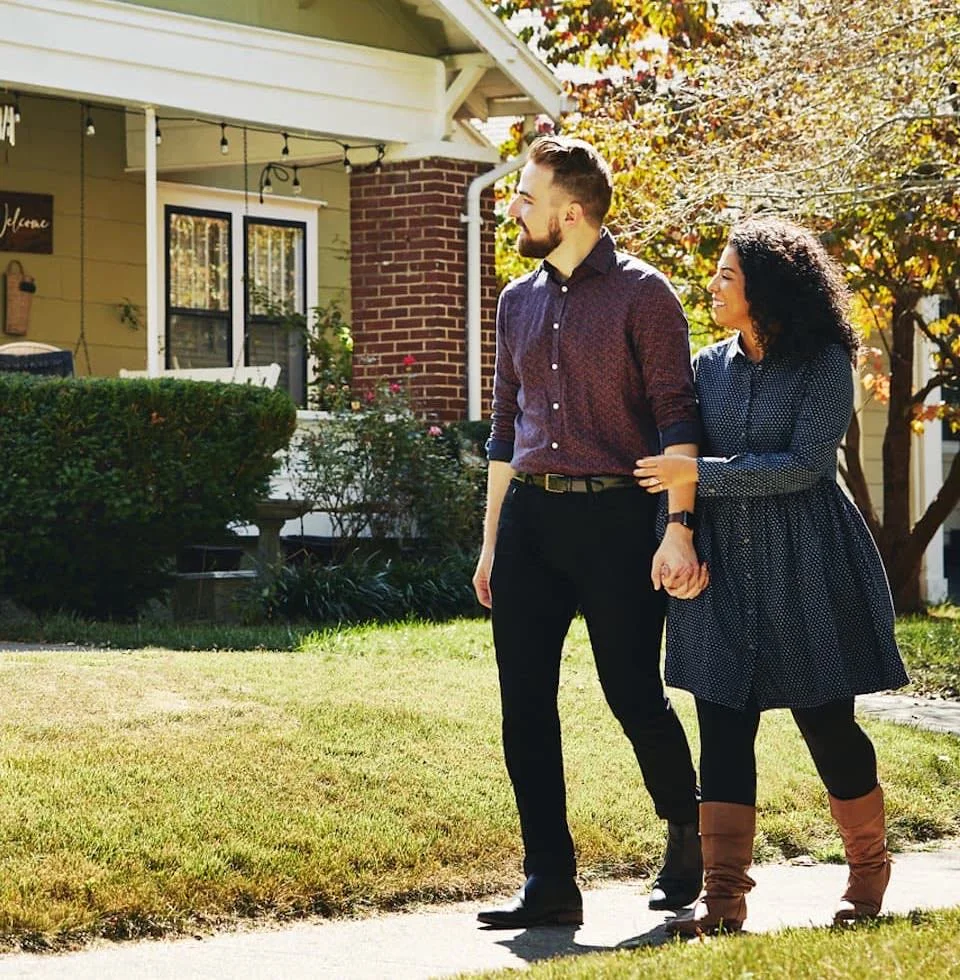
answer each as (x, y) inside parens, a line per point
(899, 553)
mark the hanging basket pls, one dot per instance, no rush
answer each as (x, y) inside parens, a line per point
(20, 290)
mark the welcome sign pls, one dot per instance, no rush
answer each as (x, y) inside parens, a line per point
(26, 222)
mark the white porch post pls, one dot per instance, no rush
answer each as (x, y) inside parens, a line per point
(154, 312)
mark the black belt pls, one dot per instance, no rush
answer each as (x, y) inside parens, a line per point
(560, 483)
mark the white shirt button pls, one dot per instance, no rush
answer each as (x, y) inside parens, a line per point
(554, 445)
(563, 289)
(556, 326)
(553, 367)
(556, 405)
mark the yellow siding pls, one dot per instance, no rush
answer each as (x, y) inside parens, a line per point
(46, 160)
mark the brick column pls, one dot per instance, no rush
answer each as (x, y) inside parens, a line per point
(409, 282)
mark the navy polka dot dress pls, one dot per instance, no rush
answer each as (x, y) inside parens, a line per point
(798, 610)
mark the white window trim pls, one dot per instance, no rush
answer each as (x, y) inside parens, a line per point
(239, 205)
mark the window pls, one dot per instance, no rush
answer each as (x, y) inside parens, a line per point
(232, 270)
(276, 255)
(198, 289)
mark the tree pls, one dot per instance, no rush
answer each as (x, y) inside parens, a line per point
(842, 116)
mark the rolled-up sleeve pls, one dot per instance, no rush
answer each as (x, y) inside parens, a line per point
(663, 340)
(822, 421)
(506, 385)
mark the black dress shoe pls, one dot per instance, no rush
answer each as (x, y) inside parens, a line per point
(544, 900)
(681, 876)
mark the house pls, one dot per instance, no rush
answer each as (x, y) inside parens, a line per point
(934, 451)
(189, 160)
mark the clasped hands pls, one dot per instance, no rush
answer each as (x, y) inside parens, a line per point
(675, 566)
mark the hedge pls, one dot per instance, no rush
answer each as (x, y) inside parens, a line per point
(103, 480)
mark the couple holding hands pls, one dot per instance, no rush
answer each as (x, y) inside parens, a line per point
(776, 592)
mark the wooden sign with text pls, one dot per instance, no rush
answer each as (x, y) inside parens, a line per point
(26, 222)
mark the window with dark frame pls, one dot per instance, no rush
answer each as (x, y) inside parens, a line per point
(275, 299)
(199, 288)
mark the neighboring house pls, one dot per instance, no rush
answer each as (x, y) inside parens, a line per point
(150, 124)
(933, 454)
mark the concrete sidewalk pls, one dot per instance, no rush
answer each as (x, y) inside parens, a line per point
(440, 941)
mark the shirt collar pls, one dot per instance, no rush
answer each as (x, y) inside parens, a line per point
(734, 350)
(600, 258)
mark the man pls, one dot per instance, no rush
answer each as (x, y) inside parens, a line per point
(592, 372)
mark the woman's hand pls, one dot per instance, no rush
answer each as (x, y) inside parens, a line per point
(658, 473)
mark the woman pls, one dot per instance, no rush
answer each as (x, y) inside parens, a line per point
(798, 612)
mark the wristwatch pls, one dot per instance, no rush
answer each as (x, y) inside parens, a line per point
(685, 517)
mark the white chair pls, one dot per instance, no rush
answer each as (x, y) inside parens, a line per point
(23, 347)
(261, 375)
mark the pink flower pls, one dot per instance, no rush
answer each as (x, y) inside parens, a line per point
(395, 387)
(434, 430)
(409, 360)
(369, 396)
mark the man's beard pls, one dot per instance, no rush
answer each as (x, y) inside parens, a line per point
(539, 248)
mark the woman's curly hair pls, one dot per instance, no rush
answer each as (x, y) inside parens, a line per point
(799, 302)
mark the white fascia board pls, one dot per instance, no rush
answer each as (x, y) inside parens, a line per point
(514, 58)
(119, 52)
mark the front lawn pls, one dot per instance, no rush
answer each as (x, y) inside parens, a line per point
(155, 790)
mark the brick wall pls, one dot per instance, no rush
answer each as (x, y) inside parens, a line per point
(409, 282)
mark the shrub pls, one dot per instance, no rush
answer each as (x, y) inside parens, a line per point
(379, 471)
(105, 479)
(372, 589)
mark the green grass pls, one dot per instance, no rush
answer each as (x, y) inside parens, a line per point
(923, 944)
(931, 649)
(930, 644)
(152, 790)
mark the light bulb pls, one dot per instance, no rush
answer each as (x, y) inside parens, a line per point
(285, 152)
(297, 189)
(224, 142)
(91, 130)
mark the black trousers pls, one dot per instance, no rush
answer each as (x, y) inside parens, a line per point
(841, 751)
(555, 553)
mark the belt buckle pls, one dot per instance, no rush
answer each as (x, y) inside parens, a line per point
(548, 479)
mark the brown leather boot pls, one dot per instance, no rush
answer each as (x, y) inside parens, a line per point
(863, 829)
(726, 834)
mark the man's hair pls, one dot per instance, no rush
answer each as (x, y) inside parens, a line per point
(578, 170)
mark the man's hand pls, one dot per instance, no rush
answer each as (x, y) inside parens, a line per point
(675, 566)
(481, 579)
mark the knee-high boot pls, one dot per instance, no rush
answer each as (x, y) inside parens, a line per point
(726, 834)
(863, 829)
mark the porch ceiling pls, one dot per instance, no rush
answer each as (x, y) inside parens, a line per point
(121, 53)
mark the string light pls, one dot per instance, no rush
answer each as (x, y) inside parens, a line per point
(224, 142)
(157, 134)
(283, 172)
(16, 107)
(285, 152)
(91, 130)
(347, 166)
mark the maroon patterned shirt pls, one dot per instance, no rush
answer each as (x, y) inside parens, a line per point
(592, 372)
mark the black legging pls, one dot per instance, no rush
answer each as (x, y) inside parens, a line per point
(841, 751)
